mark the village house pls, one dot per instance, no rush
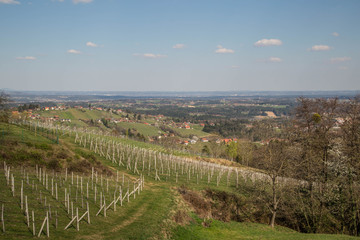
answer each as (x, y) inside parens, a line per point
(226, 140)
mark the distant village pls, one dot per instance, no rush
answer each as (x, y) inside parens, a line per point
(35, 114)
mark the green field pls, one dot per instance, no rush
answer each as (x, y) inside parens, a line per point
(195, 131)
(142, 128)
(244, 230)
(75, 114)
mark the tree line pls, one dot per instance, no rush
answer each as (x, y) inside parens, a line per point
(319, 156)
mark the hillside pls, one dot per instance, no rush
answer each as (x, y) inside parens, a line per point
(162, 207)
(149, 126)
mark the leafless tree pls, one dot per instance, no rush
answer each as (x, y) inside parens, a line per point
(274, 161)
(350, 135)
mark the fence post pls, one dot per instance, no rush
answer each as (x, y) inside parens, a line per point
(2, 218)
(33, 222)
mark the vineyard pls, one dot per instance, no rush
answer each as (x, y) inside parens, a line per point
(38, 202)
(57, 203)
(51, 202)
(154, 163)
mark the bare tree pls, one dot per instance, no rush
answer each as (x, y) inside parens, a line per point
(350, 133)
(275, 163)
(245, 152)
(312, 133)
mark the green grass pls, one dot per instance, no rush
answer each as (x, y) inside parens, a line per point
(10, 132)
(149, 209)
(143, 129)
(188, 132)
(234, 230)
(75, 114)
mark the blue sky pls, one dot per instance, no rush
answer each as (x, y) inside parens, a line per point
(173, 45)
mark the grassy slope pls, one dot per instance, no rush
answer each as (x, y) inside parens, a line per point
(245, 230)
(144, 129)
(150, 209)
(187, 132)
(146, 217)
(75, 114)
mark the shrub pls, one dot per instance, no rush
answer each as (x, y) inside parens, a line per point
(201, 206)
(181, 217)
(43, 146)
(54, 164)
(79, 166)
(29, 144)
(62, 154)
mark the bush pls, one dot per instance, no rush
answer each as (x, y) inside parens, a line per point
(43, 146)
(201, 206)
(35, 157)
(181, 217)
(54, 164)
(80, 166)
(62, 155)
(29, 144)
(87, 155)
(227, 206)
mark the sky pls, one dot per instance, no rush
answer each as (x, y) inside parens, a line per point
(180, 45)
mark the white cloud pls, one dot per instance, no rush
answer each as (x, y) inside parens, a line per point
(73, 51)
(235, 66)
(82, 1)
(320, 48)
(221, 49)
(26, 58)
(91, 44)
(179, 45)
(274, 59)
(9, 2)
(268, 42)
(335, 34)
(150, 55)
(339, 59)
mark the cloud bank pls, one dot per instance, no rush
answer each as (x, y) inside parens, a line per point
(275, 59)
(317, 48)
(149, 55)
(179, 45)
(73, 51)
(26, 58)
(9, 2)
(82, 1)
(91, 44)
(268, 42)
(221, 49)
